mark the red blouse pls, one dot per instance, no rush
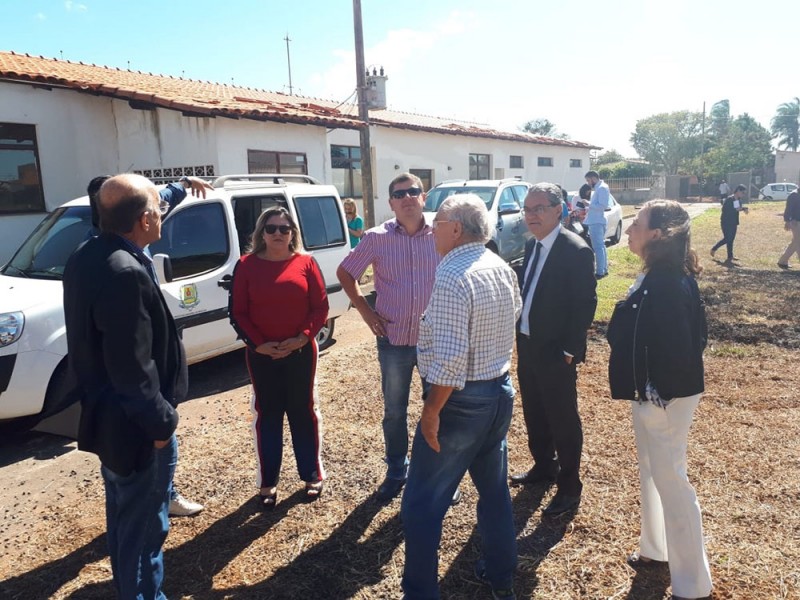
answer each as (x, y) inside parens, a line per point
(276, 300)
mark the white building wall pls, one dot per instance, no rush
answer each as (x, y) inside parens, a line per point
(396, 151)
(787, 166)
(80, 136)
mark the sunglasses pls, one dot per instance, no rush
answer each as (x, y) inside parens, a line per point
(414, 192)
(284, 229)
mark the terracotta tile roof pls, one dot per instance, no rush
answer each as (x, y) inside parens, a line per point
(215, 99)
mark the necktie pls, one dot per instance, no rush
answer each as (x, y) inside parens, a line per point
(531, 271)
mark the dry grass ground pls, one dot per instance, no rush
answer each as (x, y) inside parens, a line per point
(744, 456)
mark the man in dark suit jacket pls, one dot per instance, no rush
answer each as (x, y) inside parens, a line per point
(130, 367)
(558, 294)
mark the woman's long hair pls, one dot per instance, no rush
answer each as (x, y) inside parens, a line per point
(257, 243)
(673, 250)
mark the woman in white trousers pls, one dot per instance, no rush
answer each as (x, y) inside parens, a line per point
(657, 336)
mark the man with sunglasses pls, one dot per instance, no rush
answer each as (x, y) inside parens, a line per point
(130, 371)
(404, 259)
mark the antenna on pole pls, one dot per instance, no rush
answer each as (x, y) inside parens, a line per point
(289, 61)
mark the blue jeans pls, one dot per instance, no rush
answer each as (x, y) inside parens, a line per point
(472, 435)
(597, 233)
(137, 523)
(397, 367)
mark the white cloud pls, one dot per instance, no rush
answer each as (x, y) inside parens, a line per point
(40, 16)
(400, 51)
(70, 6)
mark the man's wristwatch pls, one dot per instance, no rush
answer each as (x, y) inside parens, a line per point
(187, 183)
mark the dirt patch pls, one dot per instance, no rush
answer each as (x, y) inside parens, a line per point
(744, 457)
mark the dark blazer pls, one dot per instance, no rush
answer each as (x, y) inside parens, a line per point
(564, 301)
(729, 216)
(658, 334)
(125, 353)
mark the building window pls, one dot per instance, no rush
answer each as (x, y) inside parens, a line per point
(479, 166)
(575, 163)
(346, 170)
(20, 176)
(545, 161)
(515, 162)
(263, 161)
(425, 176)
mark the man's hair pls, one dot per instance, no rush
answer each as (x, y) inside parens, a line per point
(121, 216)
(402, 178)
(92, 190)
(470, 211)
(552, 190)
(673, 250)
(585, 193)
(591, 174)
(740, 188)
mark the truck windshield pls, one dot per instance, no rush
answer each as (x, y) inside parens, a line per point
(44, 254)
(434, 198)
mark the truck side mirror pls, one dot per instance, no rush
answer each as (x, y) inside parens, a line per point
(163, 266)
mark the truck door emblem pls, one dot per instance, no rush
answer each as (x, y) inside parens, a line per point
(189, 298)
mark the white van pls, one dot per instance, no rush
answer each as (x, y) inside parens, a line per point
(201, 241)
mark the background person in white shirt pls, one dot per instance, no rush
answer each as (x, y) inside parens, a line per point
(466, 338)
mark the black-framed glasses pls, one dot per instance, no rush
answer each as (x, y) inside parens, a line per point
(540, 209)
(284, 229)
(414, 192)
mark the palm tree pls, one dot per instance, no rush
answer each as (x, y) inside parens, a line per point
(786, 125)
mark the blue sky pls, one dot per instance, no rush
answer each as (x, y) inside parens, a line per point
(592, 68)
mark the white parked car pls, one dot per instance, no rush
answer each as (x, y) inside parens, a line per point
(504, 199)
(777, 191)
(613, 217)
(201, 241)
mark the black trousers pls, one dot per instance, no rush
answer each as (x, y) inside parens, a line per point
(550, 405)
(286, 387)
(728, 235)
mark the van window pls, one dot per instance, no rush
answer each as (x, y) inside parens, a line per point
(507, 201)
(320, 221)
(246, 210)
(195, 239)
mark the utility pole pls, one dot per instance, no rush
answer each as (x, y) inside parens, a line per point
(363, 113)
(289, 61)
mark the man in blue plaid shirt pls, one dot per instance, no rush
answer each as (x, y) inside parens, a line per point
(466, 338)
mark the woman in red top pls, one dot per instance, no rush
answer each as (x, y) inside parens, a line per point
(278, 307)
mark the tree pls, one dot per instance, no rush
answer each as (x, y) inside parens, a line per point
(786, 125)
(667, 140)
(720, 117)
(746, 146)
(543, 127)
(608, 157)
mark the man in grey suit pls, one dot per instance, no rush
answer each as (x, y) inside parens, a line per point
(558, 295)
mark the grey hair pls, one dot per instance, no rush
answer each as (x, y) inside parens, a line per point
(554, 194)
(470, 211)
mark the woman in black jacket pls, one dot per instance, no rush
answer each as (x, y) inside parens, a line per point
(657, 336)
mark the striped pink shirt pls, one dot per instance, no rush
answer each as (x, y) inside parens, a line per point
(403, 269)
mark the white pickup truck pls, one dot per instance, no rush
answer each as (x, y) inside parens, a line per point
(201, 241)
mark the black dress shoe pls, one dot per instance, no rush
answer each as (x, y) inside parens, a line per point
(389, 489)
(560, 504)
(533, 477)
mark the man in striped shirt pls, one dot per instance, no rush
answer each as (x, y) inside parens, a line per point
(466, 339)
(403, 258)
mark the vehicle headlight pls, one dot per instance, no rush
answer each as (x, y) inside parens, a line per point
(11, 325)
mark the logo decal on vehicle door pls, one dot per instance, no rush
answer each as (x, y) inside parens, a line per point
(189, 298)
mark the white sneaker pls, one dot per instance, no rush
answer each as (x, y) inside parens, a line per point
(181, 507)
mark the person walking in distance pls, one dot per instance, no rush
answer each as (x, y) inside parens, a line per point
(729, 221)
(791, 223)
